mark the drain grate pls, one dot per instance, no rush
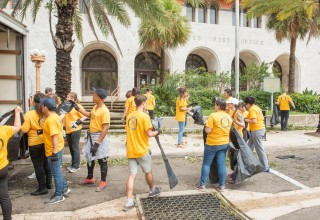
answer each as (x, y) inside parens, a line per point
(200, 206)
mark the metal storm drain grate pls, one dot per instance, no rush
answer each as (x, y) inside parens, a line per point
(200, 206)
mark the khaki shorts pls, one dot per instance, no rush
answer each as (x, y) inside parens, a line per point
(144, 162)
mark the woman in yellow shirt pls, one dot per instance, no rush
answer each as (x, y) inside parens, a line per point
(33, 126)
(181, 110)
(218, 129)
(257, 128)
(73, 124)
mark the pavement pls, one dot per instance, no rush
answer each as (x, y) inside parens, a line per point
(254, 204)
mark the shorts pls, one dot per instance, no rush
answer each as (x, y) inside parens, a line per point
(144, 162)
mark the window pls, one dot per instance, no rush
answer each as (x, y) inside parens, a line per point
(190, 13)
(202, 15)
(146, 66)
(257, 22)
(213, 15)
(195, 61)
(99, 69)
(246, 22)
(234, 15)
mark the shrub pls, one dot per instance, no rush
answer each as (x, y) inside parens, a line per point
(263, 99)
(203, 97)
(303, 102)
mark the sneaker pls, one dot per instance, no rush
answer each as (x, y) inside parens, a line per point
(87, 181)
(267, 170)
(222, 188)
(155, 192)
(39, 192)
(32, 176)
(66, 191)
(73, 170)
(68, 168)
(54, 200)
(49, 186)
(199, 187)
(102, 186)
(127, 208)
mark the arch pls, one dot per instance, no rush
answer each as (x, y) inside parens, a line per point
(190, 12)
(146, 66)
(209, 56)
(99, 70)
(283, 61)
(214, 8)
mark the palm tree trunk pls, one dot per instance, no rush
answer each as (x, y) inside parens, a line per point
(292, 64)
(64, 45)
(162, 65)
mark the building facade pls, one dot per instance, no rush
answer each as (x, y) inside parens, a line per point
(211, 45)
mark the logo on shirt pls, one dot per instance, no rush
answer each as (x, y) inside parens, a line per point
(1, 144)
(224, 122)
(133, 123)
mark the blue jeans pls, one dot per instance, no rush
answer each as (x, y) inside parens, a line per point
(59, 181)
(210, 152)
(181, 130)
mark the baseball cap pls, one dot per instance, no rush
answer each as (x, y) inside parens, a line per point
(101, 93)
(232, 101)
(49, 103)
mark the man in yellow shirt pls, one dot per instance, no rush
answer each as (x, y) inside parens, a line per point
(151, 103)
(96, 144)
(139, 129)
(54, 148)
(6, 132)
(256, 121)
(283, 101)
(130, 106)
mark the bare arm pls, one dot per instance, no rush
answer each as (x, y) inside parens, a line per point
(84, 112)
(55, 143)
(240, 122)
(104, 132)
(251, 121)
(208, 130)
(17, 120)
(151, 133)
(124, 113)
(291, 102)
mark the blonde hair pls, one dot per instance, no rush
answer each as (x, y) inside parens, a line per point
(55, 97)
(74, 96)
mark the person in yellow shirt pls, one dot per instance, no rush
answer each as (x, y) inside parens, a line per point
(238, 120)
(228, 95)
(130, 106)
(139, 129)
(151, 103)
(246, 130)
(181, 110)
(54, 148)
(96, 143)
(6, 132)
(218, 129)
(73, 124)
(283, 102)
(256, 121)
(33, 126)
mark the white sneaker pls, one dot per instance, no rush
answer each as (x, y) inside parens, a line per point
(32, 176)
(73, 170)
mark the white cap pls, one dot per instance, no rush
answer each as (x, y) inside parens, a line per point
(232, 101)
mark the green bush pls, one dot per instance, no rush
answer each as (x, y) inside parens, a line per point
(302, 101)
(263, 99)
(203, 97)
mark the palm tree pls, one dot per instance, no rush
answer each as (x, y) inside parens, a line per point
(289, 19)
(70, 20)
(160, 36)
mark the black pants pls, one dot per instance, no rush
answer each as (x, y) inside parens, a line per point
(5, 200)
(41, 166)
(103, 168)
(73, 142)
(284, 114)
(151, 114)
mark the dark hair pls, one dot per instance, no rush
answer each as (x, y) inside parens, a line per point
(135, 91)
(38, 105)
(128, 94)
(47, 90)
(228, 91)
(182, 90)
(148, 90)
(249, 100)
(241, 104)
(221, 103)
(139, 99)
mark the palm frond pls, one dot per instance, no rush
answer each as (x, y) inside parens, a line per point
(197, 3)
(77, 24)
(35, 8)
(26, 4)
(89, 18)
(4, 3)
(16, 7)
(117, 9)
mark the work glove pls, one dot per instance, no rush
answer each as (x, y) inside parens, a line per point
(54, 157)
(75, 106)
(40, 131)
(75, 124)
(94, 148)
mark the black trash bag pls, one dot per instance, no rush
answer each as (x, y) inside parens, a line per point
(64, 108)
(274, 120)
(196, 113)
(18, 144)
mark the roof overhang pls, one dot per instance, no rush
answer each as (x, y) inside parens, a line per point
(13, 23)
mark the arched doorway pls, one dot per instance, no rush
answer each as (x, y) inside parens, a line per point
(242, 67)
(195, 61)
(99, 70)
(277, 70)
(146, 66)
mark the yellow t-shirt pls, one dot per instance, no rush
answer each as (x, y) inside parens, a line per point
(238, 116)
(180, 115)
(245, 115)
(98, 118)
(6, 132)
(150, 101)
(255, 112)
(71, 117)
(284, 102)
(32, 123)
(52, 126)
(131, 105)
(220, 123)
(138, 123)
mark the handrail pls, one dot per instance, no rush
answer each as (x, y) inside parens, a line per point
(114, 94)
